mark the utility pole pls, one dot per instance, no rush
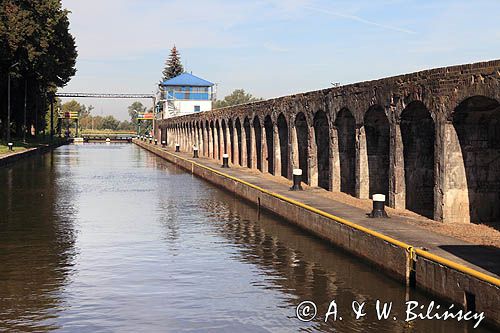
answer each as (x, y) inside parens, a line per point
(154, 117)
(25, 103)
(51, 117)
(8, 108)
(8, 101)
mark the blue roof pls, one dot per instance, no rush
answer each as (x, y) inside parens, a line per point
(186, 79)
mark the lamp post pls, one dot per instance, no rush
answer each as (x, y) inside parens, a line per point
(25, 102)
(52, 119)
(8, 101)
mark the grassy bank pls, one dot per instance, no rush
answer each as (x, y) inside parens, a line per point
(20, 146)
(89, 131)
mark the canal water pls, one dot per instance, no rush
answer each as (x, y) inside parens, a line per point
(110, 238)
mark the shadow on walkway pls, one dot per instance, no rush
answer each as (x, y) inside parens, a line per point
(487, 257)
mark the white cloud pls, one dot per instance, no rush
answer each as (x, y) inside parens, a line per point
(359, 19)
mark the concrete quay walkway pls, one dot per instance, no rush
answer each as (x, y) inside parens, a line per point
(484, 259)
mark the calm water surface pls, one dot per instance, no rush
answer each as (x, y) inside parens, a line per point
(109, 238)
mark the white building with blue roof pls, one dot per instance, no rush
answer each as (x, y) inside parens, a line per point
(186, 94)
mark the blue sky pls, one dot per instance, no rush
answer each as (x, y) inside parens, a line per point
(272, 48)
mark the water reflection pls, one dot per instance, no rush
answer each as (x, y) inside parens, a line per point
(111, 238)
(305, 268)
(36, 249)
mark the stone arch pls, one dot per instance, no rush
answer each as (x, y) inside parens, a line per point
(346, 133)
(269, 130)
(212, 139)
(283, 142)
(163, 134)
(237, 125)
(194, 134)
(224, 136)
(198, 135)
(190, 135)
(418, 136)
(217, 144)
(248, 142)
(377, 131)
(231, 140)
(302, 134)
(322, 141)
(477, 124)
(183, 136)
(258, 142)
(208, 141)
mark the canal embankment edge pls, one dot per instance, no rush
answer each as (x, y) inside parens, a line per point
(449, 280)
(12, 158)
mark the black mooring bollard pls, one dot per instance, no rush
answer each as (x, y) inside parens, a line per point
(177, 148)
(225, 161)
(163, 144)
(378, 206)
(150, 140)
(156, 142)
(297, 178)
(11, 146)
(195, 152)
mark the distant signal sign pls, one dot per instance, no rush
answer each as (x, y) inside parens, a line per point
(145, 116)
(69, 115)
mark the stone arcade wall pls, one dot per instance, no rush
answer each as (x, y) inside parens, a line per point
(429, 140)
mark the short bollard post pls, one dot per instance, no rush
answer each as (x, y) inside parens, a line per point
(163, 144)
(156, 142)
(195, 152)
(297, 179)
(150, 140)
(225, 161)
(11, 146)
(378, 206)
(177, 148)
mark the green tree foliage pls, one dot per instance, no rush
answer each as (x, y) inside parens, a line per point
(72, 106)
(173, 65)
(239, 96)
(133, 110)
(34, 35)
(89, 122)
(110, 122)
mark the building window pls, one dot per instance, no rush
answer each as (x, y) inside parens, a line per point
(197, 108)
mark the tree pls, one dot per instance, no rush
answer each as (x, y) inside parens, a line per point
(35, 36)
(72, 106)
(239, 96)
(110, 122)
(126, 126)
(134, 109)
(173, 65)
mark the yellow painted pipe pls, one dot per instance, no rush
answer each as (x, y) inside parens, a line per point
(407, 247)
(458, 267)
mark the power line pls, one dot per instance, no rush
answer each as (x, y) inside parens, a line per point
(97, 95)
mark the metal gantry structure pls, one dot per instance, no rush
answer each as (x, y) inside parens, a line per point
(101, 95)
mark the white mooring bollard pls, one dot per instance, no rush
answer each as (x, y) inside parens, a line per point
(297, 179)
(225, 161)
(378, 210)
